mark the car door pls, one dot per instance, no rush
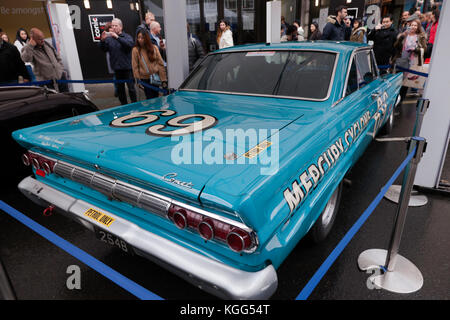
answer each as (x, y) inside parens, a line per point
(373, 96)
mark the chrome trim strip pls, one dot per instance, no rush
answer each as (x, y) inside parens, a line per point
(157, 204)
(211, 275)
(330, 87)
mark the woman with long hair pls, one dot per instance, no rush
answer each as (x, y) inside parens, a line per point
(358, 32)
(224, 35)
(410, 47)
(314, 32)
(22, 38)
(148, 65)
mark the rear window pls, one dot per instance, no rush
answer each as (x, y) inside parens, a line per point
(301, 74)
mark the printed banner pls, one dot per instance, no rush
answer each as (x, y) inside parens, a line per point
(97, 23)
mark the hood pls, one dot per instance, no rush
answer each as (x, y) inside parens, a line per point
(136, 148)
(331, 19)
(359, 29)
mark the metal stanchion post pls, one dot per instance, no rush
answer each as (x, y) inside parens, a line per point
(393, 194)
(400, 275)
(6, 291)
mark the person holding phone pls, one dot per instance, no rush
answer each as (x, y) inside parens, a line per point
(383, 36)
(119, 45)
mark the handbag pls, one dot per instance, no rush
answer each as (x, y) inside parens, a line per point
(413, 80)
(402, 63)
(154, 78)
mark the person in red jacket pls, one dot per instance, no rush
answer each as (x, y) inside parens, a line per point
(434, 24)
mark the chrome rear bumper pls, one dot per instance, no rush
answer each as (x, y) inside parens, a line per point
(210, 275)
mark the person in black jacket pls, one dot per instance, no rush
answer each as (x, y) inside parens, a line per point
(119, 45)
(335, 29)
(195, 50)
(11, 64)
(314, 32)
(383, 36)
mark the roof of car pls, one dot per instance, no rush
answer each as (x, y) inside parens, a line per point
(338, 46)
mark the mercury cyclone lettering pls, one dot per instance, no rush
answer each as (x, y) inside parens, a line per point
(310, 178)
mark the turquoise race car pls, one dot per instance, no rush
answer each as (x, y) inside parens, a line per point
(220, 180)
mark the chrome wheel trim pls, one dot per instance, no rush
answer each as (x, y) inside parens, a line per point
(330, 208)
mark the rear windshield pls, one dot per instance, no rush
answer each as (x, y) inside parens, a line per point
(301, 74)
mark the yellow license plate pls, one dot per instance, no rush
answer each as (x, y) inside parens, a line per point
(99, 217)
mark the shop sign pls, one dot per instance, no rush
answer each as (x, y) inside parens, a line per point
(97, 23)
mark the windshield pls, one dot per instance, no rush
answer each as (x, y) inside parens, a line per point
(301, 74)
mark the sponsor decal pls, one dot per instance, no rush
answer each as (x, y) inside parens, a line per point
(308, 179)
(99, 217)
(253, 152)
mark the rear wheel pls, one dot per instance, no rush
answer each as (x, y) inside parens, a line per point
(387, 127)
(324, 223)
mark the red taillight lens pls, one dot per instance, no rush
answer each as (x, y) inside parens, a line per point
(179, 218)
(26, 159)
(208, 228)
(238, 240)
(38, 162)
(35, 163)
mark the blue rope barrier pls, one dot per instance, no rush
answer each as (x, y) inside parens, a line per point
(127, 284)
(314, 281)
(164, 91)
(95, 81)
(413, 71)
(387, 66)
(41, 83)
(30, 83)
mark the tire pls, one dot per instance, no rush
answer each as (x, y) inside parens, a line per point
(324, 223)
(387, 127)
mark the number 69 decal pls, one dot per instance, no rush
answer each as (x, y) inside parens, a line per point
(182, 128)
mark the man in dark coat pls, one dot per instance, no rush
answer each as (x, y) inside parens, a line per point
(119, 45)
(383, 36)
(195, 50)
(11, 65)
(335, 29)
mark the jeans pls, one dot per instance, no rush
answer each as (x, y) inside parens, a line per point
(149, 93)
(125, 75)
(62, 87)
(30, 72)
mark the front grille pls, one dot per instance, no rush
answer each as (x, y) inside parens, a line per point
(113, 188)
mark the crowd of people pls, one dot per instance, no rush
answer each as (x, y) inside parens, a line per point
(143, 56)
(31, 58)
(407, 46)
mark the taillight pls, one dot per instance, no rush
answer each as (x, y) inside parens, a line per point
(180, 220)
(26, 159)
(38, 162)
(208, 228)
(238, 240)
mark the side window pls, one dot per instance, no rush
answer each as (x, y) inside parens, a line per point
(366, 73)
(352, 81)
